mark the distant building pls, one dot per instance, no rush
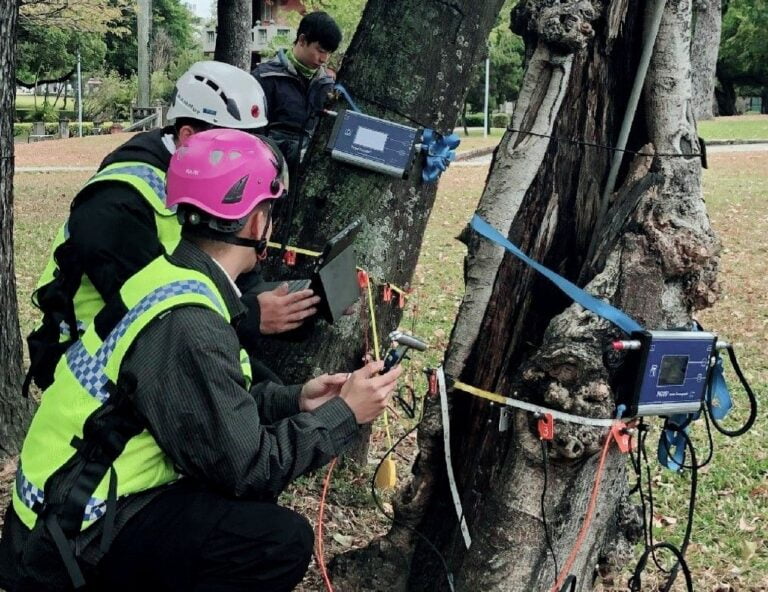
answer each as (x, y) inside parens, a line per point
(268, 22)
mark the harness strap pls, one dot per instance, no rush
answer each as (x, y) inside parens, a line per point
(106, 432)
(67, 553)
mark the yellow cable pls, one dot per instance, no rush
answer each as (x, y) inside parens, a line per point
(377, 354)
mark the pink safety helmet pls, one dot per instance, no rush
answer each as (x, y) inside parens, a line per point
(225, 174)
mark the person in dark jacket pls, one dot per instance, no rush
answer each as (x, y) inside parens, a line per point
(296, 82)
(152, 463)
(119, 222)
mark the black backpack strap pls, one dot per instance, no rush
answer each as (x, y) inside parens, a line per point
(56, 301)
(106, 432)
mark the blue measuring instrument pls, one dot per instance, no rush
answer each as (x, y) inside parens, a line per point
(668, 372)
(373, 143)
(672, 368)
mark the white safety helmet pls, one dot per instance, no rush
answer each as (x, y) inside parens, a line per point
(221, 95)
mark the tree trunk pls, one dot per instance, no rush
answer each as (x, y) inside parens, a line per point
(705, 42)
(233, 41)
(15, 411)
(725, 95)
(413, 86)
(516, 335)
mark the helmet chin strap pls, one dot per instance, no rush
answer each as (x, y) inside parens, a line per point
(260, 246)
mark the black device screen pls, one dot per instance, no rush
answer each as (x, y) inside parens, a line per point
(672, 372)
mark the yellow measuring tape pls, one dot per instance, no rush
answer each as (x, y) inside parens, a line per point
(530, 407)
(315, 254)
(473, 390)
(295, 250)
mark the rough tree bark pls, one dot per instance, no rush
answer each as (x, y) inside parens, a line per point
(15, 412)
(515, 334)
(233, 43)
(705, 41)
(409, 62)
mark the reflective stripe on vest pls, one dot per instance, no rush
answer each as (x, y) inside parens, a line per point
(79, 389)
(33, 497)
(149, 182)
(153, 177)
(89, 369)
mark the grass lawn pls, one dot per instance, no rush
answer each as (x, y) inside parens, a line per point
(476, 140)
(28, 101)
(730, 550)
(736, 127)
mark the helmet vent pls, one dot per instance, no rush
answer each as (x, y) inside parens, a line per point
(234, 155)
(215, 157)
(235, 193)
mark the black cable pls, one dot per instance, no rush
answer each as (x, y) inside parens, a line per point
(674, 427)
(647, 524)
(691, 509)
(606, 147)
(448, 574)
(750, 395)
(635, 581)
(544, 459)
(651, 547)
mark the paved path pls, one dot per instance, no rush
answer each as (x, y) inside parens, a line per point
(486, 160)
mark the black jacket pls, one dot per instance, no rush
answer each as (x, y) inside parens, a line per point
(292, 100)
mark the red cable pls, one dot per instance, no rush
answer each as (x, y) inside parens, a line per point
(587, 519)
(319, 550)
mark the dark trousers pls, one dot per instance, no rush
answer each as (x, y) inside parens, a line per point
(199, 541)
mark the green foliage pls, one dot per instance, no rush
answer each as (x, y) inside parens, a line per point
(112, 100)
(22, 129)
(743, 55)
(45, 112)
(477, 120)
(507, 53)
(500, 120)
(90, 128)
(50, 52)
(173, 19)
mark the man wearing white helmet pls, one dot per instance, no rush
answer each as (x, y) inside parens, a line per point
(119, 222)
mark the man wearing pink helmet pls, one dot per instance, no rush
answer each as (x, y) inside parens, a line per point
(119, 221)
(152, 463)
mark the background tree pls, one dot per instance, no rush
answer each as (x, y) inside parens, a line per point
(516, 335)
(233, 43)
(705, 42)
(96, 16)
(15, 411)
(507, 53)
(48, 52)
(173, 29)
(743, 62)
